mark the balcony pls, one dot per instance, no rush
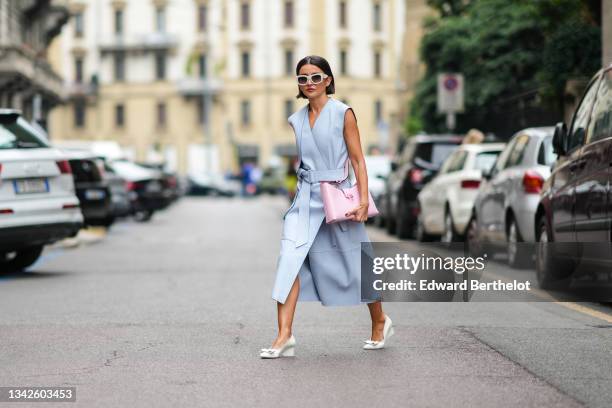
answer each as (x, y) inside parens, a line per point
(150, 42)
(200, 86)
(22, 70)
(81, 89)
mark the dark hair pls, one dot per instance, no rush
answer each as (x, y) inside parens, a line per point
(321, 63)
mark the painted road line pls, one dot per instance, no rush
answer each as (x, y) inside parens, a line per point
(606, 317)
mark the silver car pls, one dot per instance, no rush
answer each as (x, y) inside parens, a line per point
(504, 210)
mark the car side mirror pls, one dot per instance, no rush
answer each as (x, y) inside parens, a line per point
(559, 141)
(394, 165)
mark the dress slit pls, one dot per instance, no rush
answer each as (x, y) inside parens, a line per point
(307, 273)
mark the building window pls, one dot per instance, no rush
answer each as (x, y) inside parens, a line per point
(343, 62)
(377, 64)
(288, 108)
(119, 115)
(79, 114)
(202, 17)
(161, 114)
(78, 25)
(288, 14)
(118, 22)
(160, 19)
(288, 62)
(160, 66)
(342, 14)
(202, 113)
(378, 114)
(376, 15)
(245, 17)
(78, 70)
(245, 113)
(245, 59)
(119, 66)
(202, 66)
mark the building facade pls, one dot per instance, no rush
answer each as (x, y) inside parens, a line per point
(412, 68)
(27, 81)
(209, 84)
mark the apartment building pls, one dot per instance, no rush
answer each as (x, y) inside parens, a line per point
(27, 81)
(209, 84)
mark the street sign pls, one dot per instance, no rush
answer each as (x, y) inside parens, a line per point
(450, 97)
(450, 93)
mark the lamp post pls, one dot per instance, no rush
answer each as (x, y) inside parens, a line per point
(206, 118)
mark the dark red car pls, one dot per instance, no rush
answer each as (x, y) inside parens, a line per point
(574, 219)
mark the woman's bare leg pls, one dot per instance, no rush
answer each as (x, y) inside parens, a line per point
(286, 312)
(378, 320)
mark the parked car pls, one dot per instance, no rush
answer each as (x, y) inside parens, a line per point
(378, 168)
(445, 203)
(502, 218)
(38, 204)
(91, 188)
(574, 209)
(214, 184)
(145, 187)
(170, 182)
(416, 165)
(120, 197)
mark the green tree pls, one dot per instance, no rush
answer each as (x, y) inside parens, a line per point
(505, 49)
(448, 8)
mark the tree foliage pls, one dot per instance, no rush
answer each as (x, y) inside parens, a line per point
(504, 49)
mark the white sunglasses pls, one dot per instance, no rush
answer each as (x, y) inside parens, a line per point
(315, 78)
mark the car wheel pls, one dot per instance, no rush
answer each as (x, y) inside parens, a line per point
(476, 247)
(379, 221)
(551, 272)
(389, 221)
(143, 215)
(108, 221)
(420, 233)
(403, 229)
(21, 260)
(450, 235)
(519, 254)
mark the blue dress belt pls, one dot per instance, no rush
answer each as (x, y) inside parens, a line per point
(308, 177)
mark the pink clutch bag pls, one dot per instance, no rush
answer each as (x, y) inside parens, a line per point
(337, 201)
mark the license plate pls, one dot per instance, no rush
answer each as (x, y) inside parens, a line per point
(153, 187)
(94, 194)
(30, 186)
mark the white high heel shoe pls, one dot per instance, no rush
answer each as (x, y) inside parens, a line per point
(286, 350)
(388, 331)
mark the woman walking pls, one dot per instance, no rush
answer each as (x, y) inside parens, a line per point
(320, 261)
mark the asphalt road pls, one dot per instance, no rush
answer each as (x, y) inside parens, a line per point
(173, 313)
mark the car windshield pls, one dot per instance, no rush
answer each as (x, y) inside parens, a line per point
(131, 171)
(485, 160)
(85, 170)
(546, 155)
(434, 153)
(19, 135)
(378, 166)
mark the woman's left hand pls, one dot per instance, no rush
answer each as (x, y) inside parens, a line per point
(359, 213)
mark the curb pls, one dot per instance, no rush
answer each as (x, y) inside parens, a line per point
(85, 236)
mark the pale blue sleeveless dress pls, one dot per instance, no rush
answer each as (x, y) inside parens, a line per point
(327, 257)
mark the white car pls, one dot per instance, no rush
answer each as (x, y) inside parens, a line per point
(378, 168)
(38, 205)
(445, 203)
